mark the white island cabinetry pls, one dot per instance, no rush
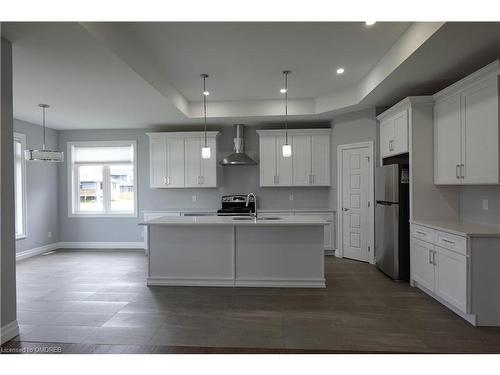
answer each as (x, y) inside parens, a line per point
(227, 251)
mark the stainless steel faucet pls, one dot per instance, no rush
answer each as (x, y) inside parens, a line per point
(254, 202)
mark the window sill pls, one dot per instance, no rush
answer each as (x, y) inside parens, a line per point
(93, 215)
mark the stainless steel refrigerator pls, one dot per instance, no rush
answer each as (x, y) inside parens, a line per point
(392, 215)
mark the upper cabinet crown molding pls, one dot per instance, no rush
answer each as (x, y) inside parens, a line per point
(263, 132)
(492, 69)
(196, 134)
(405, 104)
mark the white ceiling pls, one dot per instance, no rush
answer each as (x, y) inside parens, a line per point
(131, 75)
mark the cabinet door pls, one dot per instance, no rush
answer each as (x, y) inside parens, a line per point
(192, 160)
(400, 144)
(451, 277)
(158, 162)
(422, 269)
(209, 166)
(386, 137)
(267, 165)
(301, 154)
(447, 141)
(283, 165)
(480, 134)
(329, 230)
(320, 163)
(175, 162)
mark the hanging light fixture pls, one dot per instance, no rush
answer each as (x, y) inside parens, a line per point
(205, 150)
(287, 149)
(44, 154)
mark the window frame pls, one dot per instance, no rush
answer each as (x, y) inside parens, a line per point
(74, 183)
(21, 138)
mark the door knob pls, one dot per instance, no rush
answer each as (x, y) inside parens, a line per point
(345, 209)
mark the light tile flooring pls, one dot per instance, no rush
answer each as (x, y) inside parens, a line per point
(99, 300)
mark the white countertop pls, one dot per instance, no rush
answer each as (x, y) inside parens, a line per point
(263, 210)
(461, 228)
(225, 220)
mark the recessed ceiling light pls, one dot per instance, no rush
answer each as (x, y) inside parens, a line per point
(370, 23)
(283, 91)
(206, 93)
(340, 70)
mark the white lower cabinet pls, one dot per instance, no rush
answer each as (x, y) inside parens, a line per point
(440, 270)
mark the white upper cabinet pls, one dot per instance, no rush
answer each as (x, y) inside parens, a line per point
(466, 130)
(309, 164)
(175, 160)
(393, 132)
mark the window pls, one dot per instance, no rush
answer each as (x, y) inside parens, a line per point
(103, 178)
(20, 184)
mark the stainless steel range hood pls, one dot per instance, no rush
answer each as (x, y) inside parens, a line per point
(238, 157)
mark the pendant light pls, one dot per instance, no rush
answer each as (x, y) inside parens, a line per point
(287, 149)
(44, 154)
(205, 150)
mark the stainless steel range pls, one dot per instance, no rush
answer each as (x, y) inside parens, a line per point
(238, 205)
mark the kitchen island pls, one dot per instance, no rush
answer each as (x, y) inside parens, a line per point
(236, 251)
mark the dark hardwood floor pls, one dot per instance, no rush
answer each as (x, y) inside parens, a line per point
(97, 302)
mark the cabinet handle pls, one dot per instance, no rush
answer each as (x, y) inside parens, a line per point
(168, 180)
(448, 241)
(420, 232)
(277, 179)
(310, 179)
(313, 179)
(430, 257)
(457, 170)
(434, 258)
(165, 180)
(462, 174)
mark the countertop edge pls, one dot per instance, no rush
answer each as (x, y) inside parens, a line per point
(442, 226)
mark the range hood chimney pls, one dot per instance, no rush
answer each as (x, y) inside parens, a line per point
(238, 157)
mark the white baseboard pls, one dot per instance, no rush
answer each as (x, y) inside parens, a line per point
(9, 331)
(280, 283)
(36, 251)
(101, 245)
(174, 281)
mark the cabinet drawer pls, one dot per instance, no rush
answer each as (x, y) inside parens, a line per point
(423, 233)
(452, 242)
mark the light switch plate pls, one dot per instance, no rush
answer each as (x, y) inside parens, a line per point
(193, 198)
(49, 234)
(485, 204)
(290, 197)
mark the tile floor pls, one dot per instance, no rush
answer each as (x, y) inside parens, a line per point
(97, 301)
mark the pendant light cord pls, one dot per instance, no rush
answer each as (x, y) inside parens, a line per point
(286, 107)
(43, 122)
(205, 106)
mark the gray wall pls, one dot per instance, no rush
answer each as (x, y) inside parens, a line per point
(471, 204)
(42, 209)
(231, 180)
(360, 126)
(7, 227)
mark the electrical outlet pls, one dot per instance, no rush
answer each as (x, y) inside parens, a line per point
(142, 234)
(194, 198)
(485, 204)
(49, 234)
(290, 196)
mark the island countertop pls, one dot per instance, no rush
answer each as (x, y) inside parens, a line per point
(236, 221)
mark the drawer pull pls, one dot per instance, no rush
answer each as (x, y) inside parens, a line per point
(430, 257)
(420, 232)
(448, 241)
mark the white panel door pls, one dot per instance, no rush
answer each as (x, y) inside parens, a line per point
(209, 166)
(355, 197)
(158, 162)
(400, 144)
(320, 145)
(480, 134)
(301, 154)
(422, 268)
(175, 162)
(284, 165)
(451, 277)
(447, 139)
(387, 133)
(267, 163)
(192, 158)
